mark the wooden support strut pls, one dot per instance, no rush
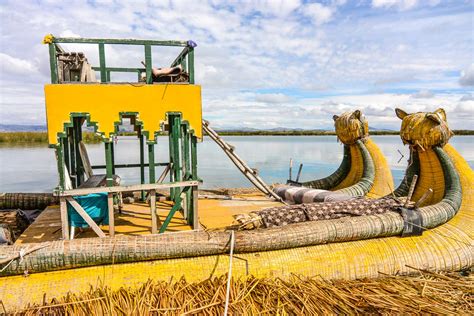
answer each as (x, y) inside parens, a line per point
(240, 164)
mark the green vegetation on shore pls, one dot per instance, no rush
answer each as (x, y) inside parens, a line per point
(38, 137)
(42, 137)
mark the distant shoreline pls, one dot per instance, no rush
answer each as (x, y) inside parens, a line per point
(42, 138)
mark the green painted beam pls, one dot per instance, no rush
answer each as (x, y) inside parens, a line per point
(151, 162)
(191, 65)
(131, 165)
(169, 217)
(141, 137)
(120, 69)
(148, 64)
(53, 63)
(182, 55)
(109, 164)
(60, 164)
(103, 71)
(118, 41)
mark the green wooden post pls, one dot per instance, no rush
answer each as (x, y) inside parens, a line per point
(59, 160)
(185, 140)
(194, 157)
(142, 161)
(108, 75)
(103, 71)
(194, 190)
(72, 152)
(108, 163)
(112, 150)
(53, 63)
(176, 133)
(77, 128)
(171, 152)
(65, 145)
(191, 65)
(151, 161)
(148, 64)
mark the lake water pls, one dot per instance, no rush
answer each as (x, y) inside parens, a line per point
(33, 168)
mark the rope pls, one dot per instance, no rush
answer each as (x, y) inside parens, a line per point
(21, 254)
(229, 275)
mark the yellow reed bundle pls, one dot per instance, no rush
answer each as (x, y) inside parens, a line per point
(425, 293)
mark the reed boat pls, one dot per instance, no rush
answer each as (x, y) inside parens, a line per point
(342, 248)
(425, 223)
(364, 171)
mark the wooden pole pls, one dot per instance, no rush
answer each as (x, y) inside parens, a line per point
(110, 206)
(64, 218)
(154, 220)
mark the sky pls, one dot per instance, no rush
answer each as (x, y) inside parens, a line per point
(263, 64)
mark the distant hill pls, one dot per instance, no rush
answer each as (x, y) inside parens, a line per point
(22, 128)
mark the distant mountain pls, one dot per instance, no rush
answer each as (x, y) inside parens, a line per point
(22, 128)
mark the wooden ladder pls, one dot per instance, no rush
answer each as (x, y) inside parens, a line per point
(248, 172)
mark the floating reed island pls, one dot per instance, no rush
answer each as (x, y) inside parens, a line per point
(346, 229)
(423, 293)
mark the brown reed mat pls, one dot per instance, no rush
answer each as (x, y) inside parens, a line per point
(424, 293)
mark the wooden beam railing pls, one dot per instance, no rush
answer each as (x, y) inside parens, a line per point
(66, 197)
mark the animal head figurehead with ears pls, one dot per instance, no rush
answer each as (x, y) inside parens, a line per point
(351, 126)
(423, 130)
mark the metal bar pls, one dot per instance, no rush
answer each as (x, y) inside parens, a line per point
(148, 64)
(142, 161)
(64, 218)
(170, 215)
(151, 162)
(129, 188)
(108, 162)
(110, 208)
(191, 65)
(118, 41)
(53, 63)
(103, 71)
(85, 216)
(131, 165)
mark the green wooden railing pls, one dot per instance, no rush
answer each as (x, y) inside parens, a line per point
(185, 57)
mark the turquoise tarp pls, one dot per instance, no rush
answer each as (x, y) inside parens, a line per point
(94, 204)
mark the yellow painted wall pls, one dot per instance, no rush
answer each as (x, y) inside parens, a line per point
(105, 102)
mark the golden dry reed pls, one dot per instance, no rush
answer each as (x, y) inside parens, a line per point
(424, 293)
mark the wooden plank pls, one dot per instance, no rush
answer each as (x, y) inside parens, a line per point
(136, 187)
(154, 221)
(110, 208)
(64, 218)
(86, 217)
(195, 210)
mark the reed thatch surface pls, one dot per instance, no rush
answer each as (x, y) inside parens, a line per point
(425, 293)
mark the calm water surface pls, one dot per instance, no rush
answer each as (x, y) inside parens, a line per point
(33, 168)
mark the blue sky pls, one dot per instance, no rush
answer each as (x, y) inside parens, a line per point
(265, 64)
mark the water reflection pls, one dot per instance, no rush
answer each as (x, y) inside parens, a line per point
(33, 168)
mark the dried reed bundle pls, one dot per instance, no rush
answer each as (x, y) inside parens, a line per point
(427, 292)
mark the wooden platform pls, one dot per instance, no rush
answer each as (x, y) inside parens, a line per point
(136, 220)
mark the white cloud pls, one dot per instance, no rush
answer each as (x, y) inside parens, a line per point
(423, 94)
(467, 76)
(272, 98)
(13, 65)
(318, 13)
